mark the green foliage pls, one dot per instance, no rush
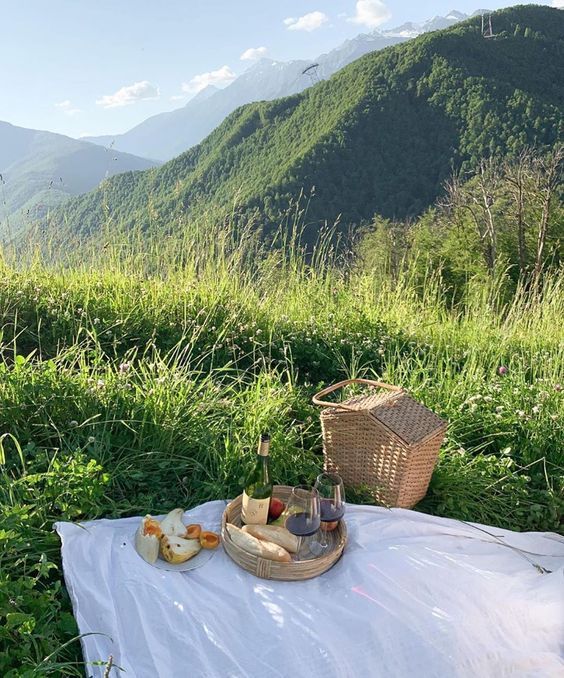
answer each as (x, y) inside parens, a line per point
(130, 384)
(505, 221)
(381, 136)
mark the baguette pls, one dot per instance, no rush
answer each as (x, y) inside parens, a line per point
(274, 534)
(256, 547)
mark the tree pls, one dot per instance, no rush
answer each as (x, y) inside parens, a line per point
(477, 198)
(548, 181)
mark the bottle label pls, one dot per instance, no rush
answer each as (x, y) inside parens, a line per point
(255, 511)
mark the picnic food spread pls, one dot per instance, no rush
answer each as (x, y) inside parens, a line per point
(298, 532)
(275, 525)
(171, 539)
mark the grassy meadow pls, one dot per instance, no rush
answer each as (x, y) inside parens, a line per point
(138, 379)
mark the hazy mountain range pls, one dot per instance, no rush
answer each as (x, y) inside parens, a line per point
(166, 135)
(40, 169)
(380, 137)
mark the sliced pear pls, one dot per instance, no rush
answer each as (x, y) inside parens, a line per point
(172, 524)
(147, 539)
(178, 550)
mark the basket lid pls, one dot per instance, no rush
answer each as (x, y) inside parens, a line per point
(408, 419)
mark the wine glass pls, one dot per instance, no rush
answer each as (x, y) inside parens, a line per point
(303, 516)
(332, 503)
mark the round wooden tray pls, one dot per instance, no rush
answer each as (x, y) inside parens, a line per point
(270, 569)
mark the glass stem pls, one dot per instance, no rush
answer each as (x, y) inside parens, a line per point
(300, 545)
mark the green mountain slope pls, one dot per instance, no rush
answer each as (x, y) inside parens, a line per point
(380, 136)
(40, 170)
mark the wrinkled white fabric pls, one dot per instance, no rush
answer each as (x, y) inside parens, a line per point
(413, 595)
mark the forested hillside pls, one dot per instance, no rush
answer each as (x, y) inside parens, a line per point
(381, 136)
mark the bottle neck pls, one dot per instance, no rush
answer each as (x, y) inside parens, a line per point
(264, 448)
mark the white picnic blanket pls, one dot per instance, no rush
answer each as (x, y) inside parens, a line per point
(413, 595)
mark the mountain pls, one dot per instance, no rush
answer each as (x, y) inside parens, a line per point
(166, 135)
(381, 136)
(40, 170)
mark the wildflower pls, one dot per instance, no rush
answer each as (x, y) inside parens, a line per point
(100, 383)
(91, 439)
(109, 333)
(499, 409)
(558, 387)
(536, 409)
(554, 417)
(520, 413)
(124, 368)
(501, 370)
(96, 321)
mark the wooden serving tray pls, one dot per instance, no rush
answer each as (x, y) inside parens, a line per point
(270, 569)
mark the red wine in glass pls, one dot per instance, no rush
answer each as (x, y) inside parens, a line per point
(330, 512)
(332, 503)
(303, 514)
(303, 524)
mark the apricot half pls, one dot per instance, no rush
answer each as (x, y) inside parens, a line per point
(151, 526)
(193, 531)
(209, 540)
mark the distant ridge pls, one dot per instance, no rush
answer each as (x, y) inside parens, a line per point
(380, 136)
(41, 170)
(166, 135)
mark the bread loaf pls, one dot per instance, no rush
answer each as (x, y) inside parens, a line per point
(256, 547)
(274, 534)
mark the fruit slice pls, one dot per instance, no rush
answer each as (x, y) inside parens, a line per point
(172, 524)
(178, 550)
(147, 539)
(209, 540)
(193, 531)
(151, 526)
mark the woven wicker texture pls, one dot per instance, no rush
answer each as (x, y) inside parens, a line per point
(388, 445)
(407, 418)
(269, 569)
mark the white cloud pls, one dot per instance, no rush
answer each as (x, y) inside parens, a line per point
(370, 13)
(307, 22)
(67, 107)
(130, 94)
(559, 4)
(253, 54)
(177, 97)
(223, 76)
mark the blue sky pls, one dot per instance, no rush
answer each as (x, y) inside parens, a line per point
(101, 66)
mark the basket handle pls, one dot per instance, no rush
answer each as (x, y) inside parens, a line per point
(323, 403)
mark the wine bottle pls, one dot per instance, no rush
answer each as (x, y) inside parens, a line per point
(258, 487)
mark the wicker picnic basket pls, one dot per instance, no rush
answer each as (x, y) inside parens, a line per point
(385, 442)
(269, 569)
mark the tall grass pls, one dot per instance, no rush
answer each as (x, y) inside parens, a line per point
(136, 376)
